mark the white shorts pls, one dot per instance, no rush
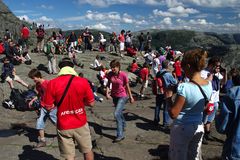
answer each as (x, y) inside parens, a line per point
(16, 78)
(145, 84)
(121, 46)
(186, 142)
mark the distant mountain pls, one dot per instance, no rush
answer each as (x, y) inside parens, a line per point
(8, 21)
(225, 45)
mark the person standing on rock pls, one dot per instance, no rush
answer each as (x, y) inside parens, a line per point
(40, 33)
(25, 34)
(121, 40)
(70, 94)
(41, 86)
(119, 89)
(187, 129)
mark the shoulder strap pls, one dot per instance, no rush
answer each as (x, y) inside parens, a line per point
(204, 95)
(161, 74)
(65, 91)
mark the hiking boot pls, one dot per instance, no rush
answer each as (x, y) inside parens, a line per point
(40, 144)
(204, 141)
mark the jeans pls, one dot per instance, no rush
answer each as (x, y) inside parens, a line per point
(44, 114)
(119, 103)
(166, 118)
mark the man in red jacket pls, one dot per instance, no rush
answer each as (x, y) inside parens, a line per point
(71, 116)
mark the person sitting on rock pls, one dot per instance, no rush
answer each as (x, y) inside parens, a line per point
(9, 74)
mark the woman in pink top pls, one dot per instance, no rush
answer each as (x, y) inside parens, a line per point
(119, 90)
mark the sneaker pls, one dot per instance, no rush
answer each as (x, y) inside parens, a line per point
(118, 139)
(121, 55)
(40, 144)
(101, 99)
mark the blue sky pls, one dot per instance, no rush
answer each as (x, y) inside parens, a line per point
(221, 16)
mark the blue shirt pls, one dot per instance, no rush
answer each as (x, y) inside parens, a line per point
(192, 111)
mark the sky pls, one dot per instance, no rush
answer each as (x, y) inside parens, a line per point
(221, 16)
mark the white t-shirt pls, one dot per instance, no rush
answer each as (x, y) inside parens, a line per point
(96, 63)
(215, 94)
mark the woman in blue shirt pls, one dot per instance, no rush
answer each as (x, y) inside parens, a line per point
(187, 110)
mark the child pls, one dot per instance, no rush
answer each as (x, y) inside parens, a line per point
(144, 78)
(72, 54)
(9, 74)
(41, 85)
(94, 88)
(97, 65)
(134, 67)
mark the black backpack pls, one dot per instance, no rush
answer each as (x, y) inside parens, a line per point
(18, 100)
(21, 99)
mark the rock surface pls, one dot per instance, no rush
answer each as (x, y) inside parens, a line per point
(143, 141)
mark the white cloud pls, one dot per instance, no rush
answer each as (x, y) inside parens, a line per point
(100, 26)
(182, 10)
(106, 3)
(45, 19)
(102, 16)
(157, 12)
(173, 3)
(198, 22)
(22, 11)
(141, 22)
(77, 18)
(215, 3)
(46, 6)
(178, 11)
(166, 21)
(127, 18)
(25, 17)
(153, 2)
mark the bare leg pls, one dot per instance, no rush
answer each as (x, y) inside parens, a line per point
(22, 82)
(89, 156)
(10, 84)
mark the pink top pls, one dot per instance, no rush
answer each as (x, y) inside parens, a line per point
(121, 38)
(118, 84)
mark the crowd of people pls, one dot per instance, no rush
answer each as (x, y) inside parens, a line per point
(177, 77)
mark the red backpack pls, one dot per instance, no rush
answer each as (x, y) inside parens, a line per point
(158, 84)
(2, 49)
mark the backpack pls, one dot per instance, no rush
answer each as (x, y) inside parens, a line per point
(40, 33)
(215, 83)
(47, 49)
(2, 49)
(157, 83)
(21, 99)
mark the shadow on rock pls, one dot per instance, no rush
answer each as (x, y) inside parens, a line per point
(98, 130)
(41, 67)
(102, 157)
(7, 132)
(161, 152)
(30, 154)
(129, 116)
(22, 128)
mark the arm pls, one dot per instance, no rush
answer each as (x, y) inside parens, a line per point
(108, 91)
(129, 93)
(175, 107)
